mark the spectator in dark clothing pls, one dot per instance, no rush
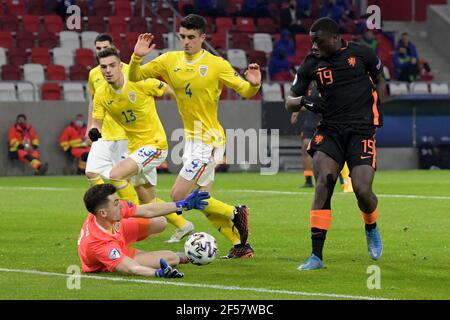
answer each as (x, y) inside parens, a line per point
(409, 46)
(285, 44)
(278, 63)
(290, 18)
(332, 10)
(256, 8)
(369, 40)
(406, 66)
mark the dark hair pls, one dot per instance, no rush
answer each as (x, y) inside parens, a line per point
(97, 196)
(194, 22)
(325, 24)
(103, 37)
(108, 52)
(21, 116)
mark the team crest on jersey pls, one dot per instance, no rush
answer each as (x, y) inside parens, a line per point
(203, 70)
(132, 96)
(352, 61)
(114, 254)
(318, 139)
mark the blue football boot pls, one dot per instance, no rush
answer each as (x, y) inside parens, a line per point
(374, 245)
(312, 263)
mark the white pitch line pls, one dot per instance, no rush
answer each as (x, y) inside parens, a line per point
(291, 193)
(196, 285)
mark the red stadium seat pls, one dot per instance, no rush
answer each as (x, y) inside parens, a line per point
(282, 76)
(17, 57)
(123, 8)
(242, 41)
(55, 72)
(245, 24)
(79, 73)
(51, 91)
(131, 38)
(85, 57)
(218, 40)
(223, 24)
(41, 56)
(125, 53)
(10, 72)
(25, 40)
(259, 57)
(95, 23)
(9, 23)
(36, 7)
(47, 40)
(31, 23)
(266, 25)
(16, 7)
(102, 8)
(117, 25)
(138, 24)
(6, 40)
(53, 23)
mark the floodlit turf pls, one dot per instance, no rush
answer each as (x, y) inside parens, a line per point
(40, 218)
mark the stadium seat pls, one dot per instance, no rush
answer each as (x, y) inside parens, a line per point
(131, 38)
(241, 41)
(17, 57)
(88, 39)
(55, 72)
(34, 73)
(266, 25)
(3, 59)
(69, 39)
(258, 57)
(102, 8)
(165, 13)
(282, 76)
(237, 58)
(138, 24)
(85, 57)
(263, 42)
(271, 92)
(51, 91)
(6, 40)
(16, 7)
(31, 23)
(10, 72)
(125, 53)
(118, 25)
(73, 92)
(53, 23)
(224, 24)
(97, 24)
(419, 88)
(439, 88)
(36, 7)
(26, 92)
(8, 91)
(63, 57)
(78, 73)
(398, 88)
(245, 24)
(123, 8)
(41, 56)
(218, 40)
(47, 40)
(25, 40)
(9, 23)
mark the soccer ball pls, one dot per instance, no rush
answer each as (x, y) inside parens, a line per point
(200, 248)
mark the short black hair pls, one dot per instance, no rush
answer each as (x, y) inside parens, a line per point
(194, 22)
(103, 37)
(97, 196)
(325, 24)
(108, 52)
(21, 116)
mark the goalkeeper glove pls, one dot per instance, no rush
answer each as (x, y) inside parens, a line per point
(166, 271)
(193, 201)
(94, 134)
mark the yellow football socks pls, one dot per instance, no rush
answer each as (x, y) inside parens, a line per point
(126, 191)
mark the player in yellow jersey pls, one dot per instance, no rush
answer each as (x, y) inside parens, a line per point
(143, 185)
(197, 78)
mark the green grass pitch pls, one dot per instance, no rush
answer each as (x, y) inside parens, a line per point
(40, 219)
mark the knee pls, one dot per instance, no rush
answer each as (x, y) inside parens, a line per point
(362, 192)
(91, 175)
(159, 224)
(177, 194)
(115, 175)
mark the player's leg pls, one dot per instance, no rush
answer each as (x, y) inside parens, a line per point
(151, 259)
(119, 176)
(99, 162)
(307, 164)
(347, 185)
(362, 163)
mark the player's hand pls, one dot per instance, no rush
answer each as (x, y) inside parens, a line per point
(194, 201)
(144, 45)
(294, 117)
(166, 271)
(94, 134)
(253, 74)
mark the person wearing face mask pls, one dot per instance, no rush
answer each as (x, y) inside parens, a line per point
(23, 144)
(73, 141)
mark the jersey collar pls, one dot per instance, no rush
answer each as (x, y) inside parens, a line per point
(194, 58)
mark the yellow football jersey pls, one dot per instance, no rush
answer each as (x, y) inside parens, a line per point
(197, 82)
(133, 108)
(110, 129)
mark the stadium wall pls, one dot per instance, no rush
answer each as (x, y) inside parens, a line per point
(50, 118)
(438, 25)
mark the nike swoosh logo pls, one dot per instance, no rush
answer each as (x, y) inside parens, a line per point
(365, 157)
(322, 68)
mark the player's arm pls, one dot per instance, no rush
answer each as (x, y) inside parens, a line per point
(245, 88)
(169, 93)
(131, 266)
(143, 46)
(195, 200)
(97, 116)
(375, 69)
(296, 98)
